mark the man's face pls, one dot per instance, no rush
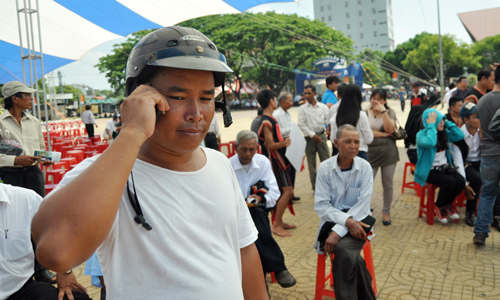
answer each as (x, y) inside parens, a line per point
(246, 150)
(287, 103)
(190, 97)
(489, 83)
(348, 144)
(415, 89)
(473, 121)
(309, 95)
(333, 86)
(456, 108)
(25, 102)
(463, 84)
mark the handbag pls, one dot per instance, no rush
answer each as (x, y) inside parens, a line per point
(400, 133)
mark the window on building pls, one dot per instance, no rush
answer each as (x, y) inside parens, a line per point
(348, 26)
(374, 22)
(323, 19)
(359, 2)
(329, 18)
(347, 15)
(361, 35)
(360, 12)
(347, 4)
(374, 11)
(349, 36)
(329, 7)
(373, 1)
(321, 8)
(375, 34)
(360, 24)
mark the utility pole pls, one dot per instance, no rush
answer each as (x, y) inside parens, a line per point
(441, 70)
(59, 75)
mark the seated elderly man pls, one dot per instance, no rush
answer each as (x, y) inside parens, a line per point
(17, 208)
(260, 189)
(342, 200)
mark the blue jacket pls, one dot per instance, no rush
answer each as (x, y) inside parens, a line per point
(427, 144)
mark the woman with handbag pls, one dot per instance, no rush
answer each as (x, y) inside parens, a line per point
(349, 112)
(435, 162)
(382, 152)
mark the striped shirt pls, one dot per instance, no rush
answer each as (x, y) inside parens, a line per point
(336, 193)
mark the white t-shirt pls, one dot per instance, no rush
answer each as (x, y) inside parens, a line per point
(200, 222)
(363, 128)
(110, 126)
(17, 259)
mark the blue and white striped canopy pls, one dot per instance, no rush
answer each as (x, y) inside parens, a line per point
(70, 28)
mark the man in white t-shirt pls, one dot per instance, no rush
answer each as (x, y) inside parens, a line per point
(110, 128)
(167, 216)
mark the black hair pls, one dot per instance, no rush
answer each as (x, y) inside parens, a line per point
(484, 73)
(454, 100)
(332, 79)
(382, 94)
(8, 102)
(340, 89)
(310, 86)
(497, 75)
(460, 78)
(442, 141)
(264, 97)
(350, 106)
(452, 86)
(260, 111)
(87, 107)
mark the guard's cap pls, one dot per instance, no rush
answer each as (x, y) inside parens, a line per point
(467, 110)
(14, 87)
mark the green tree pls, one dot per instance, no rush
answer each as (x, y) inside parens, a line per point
(456, 56)
(113, 65)
(397, 56)
(373, 73)
(259, 48)
(488, 50)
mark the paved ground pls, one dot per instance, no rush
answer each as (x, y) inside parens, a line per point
(412, 259)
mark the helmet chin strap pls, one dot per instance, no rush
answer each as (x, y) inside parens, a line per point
(228, 120)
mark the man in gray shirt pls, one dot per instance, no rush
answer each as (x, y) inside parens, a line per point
(88, 120)
(490, 162)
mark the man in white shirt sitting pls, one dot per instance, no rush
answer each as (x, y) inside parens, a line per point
(17, 208)
(342, 200)
(258, 185)
(110, 129)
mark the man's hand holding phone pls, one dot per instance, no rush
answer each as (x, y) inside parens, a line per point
(138, 110)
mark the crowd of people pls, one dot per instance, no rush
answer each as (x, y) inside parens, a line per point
(181, 213)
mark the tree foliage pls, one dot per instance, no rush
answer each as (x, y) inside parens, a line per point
(488, 50)
(373, 73)
(259, 51)
(113, 65)
(456, 56)
(397, 56)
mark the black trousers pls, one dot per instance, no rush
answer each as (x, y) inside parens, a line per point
(90, 130)
(474, 176)
(351, 278)
(450, 186)
(33, 290)
(211, 141)
(271, 257)
(293, 173)
(402, 105)
(28, 177)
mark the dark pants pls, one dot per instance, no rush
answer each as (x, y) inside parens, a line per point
(28, 177)
(90, 130)
(271, 257)
(402, 105)
(474, 176)
(351, 278)
(293, 173)
(451, 185)
(311, 149)
(33, 290)
(211, 141)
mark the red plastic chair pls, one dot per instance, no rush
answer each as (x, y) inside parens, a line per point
(49, 188)
(321, 280)
(56, 175)
(412, 184)
(101, 147)
(428, 207)
(78, 154)
(227, 152)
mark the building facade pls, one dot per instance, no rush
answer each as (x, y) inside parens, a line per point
(368, 23)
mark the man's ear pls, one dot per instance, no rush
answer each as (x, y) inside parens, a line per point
(336, 143)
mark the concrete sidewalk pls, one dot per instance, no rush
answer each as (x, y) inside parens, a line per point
(412, 259)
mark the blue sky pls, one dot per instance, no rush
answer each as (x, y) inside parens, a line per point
(410, 18)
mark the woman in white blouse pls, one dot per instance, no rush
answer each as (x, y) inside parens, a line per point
(349, 112)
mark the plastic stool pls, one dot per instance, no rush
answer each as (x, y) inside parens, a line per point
(49, 188)
(428, 208)
(56, 174)
(78, 154)
(321, 280)
(101, 147)
(228, 149)
(411, 184)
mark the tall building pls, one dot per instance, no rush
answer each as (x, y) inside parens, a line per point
(367, 22)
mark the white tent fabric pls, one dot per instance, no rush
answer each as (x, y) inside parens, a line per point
(71, 28)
